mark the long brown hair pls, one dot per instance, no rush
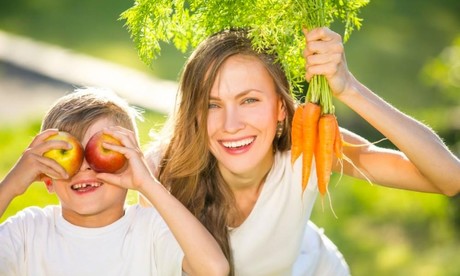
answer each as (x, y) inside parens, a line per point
(187, 166)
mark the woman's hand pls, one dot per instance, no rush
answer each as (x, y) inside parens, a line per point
(324, 55)
(409, 167)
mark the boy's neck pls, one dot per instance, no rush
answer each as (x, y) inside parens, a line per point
(93, 220)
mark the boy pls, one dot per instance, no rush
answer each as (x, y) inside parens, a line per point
(92, 232)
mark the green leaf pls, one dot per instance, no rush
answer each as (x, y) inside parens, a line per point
(273, 24)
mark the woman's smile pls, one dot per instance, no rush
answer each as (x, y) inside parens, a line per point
(238, 146)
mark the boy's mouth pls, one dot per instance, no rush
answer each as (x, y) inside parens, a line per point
(83, 187)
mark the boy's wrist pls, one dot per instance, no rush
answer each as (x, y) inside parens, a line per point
(150, 188)
(8, 192)
(11, 187)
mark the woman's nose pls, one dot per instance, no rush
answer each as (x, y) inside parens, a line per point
(233, 121)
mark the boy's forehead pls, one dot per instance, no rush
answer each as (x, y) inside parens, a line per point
(97, 126)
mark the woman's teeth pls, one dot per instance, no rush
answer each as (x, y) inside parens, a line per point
(237, 144)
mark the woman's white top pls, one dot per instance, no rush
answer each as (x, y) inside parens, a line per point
(276, 238)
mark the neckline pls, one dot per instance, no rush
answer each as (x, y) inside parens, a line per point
(88, 231)
(268, 183)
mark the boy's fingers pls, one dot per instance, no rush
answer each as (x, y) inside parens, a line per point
(123, 134)
(41, 137)
(52, 168)
(54, 145)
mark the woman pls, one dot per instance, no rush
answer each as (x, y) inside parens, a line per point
(228, 155)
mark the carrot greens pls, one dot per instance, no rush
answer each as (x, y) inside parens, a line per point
(273, 24)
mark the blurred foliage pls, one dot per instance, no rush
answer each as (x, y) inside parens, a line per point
(405, 51)
(443, 71)
(384, 231)
(442, 74)
(87, 26)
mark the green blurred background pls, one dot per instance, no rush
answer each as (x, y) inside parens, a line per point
(407, 51)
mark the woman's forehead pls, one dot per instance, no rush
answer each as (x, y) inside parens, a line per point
(240, 74)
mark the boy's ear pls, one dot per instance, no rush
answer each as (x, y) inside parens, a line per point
(48, 183)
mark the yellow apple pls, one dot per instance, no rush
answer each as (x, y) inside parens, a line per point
(70, 159)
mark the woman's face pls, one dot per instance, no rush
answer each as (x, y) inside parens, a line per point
(244, 109)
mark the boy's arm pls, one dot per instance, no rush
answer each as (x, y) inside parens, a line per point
(6, 194)
(202, 254)
(30, 167)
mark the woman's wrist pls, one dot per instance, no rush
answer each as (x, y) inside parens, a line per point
(352, 89)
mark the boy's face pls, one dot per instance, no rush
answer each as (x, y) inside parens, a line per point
(85, 200)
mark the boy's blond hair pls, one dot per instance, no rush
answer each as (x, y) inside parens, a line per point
(77, 111)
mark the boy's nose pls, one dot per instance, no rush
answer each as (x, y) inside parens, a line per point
(84, 165)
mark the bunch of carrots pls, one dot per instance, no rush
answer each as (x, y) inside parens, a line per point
(315, 133)
(315, 130)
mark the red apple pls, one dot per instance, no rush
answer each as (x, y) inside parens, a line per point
(101, 159)
(70, 159)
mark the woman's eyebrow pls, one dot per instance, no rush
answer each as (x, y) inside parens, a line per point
(239, 95)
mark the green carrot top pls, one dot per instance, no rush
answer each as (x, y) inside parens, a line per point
(272, 24)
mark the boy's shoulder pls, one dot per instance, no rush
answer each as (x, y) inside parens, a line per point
(35, 212)
(33, 218)
(137, 211)
(137, 214)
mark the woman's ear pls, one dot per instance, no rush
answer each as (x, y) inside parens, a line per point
(281, 110)
(48, 183)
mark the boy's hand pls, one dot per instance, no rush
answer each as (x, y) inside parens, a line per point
(136, 173)
(33, 166)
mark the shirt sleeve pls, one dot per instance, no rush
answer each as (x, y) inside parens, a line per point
(12, 240)
(167, 254)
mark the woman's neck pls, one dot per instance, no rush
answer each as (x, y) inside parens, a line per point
(245, 200)
(246, 190)
(250, 180)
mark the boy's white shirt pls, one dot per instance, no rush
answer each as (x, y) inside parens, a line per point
(41, 242)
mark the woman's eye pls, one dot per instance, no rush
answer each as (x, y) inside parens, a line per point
(250, 100)
(212, 105)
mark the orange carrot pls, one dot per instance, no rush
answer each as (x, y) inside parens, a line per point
(338, 142)
(311, 114)
(324, 150)
(296, 134)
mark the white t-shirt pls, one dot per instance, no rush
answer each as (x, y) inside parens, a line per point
(41, 242)
(276, 238)
(319, 256)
